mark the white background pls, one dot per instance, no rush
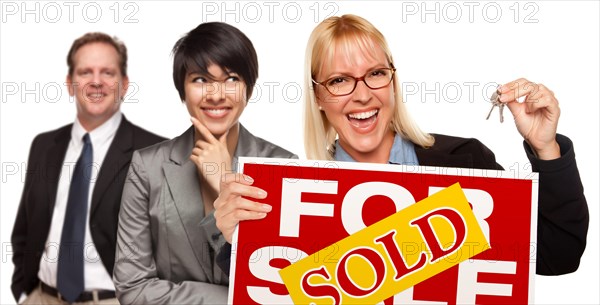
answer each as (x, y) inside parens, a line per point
(460, 48)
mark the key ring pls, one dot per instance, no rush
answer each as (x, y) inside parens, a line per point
(495, 100)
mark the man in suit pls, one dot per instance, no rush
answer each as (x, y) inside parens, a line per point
(65, 232)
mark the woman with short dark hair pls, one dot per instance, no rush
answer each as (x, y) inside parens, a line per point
(167, 237)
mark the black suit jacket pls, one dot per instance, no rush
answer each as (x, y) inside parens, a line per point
(34, 216)
(563, 215)
(562, 208)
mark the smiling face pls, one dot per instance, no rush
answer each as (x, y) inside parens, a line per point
(362, 118)
(217, 99)
(96, 83)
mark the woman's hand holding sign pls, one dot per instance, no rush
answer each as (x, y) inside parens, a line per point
(231, 207)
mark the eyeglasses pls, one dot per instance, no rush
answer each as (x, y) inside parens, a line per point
(345, 84)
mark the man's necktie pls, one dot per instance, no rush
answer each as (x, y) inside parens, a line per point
(70, 282)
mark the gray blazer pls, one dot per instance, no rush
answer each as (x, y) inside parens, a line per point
(166, 245)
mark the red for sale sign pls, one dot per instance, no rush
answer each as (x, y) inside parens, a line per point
(318, 207)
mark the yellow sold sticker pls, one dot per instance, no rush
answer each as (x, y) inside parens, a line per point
(380, 260)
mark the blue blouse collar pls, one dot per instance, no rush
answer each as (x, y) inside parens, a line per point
(402, 152)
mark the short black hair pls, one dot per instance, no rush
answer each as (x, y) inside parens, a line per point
(214, 43)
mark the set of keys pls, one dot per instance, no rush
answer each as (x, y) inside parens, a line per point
(495, 99)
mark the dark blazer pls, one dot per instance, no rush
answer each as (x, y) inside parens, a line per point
(562, 208)
(563, 215)
(39, 194)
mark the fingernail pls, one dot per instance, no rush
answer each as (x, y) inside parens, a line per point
(262, 194)
(248, 178)
(262, 215)
(266, 208)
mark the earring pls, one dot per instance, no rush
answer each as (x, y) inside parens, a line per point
(320, 108)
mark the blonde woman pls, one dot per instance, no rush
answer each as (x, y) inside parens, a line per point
(354, 112)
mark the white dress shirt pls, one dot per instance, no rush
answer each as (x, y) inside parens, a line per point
(95, 274)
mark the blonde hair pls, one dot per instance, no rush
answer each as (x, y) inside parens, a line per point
(347, 32)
